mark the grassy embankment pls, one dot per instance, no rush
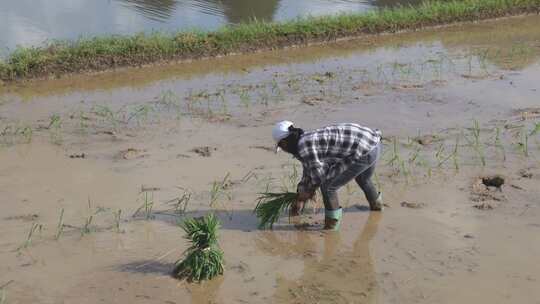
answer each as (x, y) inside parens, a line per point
(101, 53)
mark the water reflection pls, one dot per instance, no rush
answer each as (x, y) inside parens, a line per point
(33, 22)
(237, 11)
(158, 10)
(331, 276)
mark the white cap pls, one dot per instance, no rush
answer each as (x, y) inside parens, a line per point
(281, 131)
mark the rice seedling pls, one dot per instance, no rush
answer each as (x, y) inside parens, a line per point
(181, 203)
(535, 130)
(249, 176)
(35, 227)
(140, 113)
(476, 142)
(117, 219)
(3, 293)
(203, 260)
(271, 205)
(455, 154)
(87, 226)
(244, 98)
(147, 206)
(12, 133)
(60, 226)
(218, 190)
(54, 127)
(498, 143)
(524, 144)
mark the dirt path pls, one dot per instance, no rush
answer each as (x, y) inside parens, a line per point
(454, 105)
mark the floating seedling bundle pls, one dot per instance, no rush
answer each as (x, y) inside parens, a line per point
(203, 260)
(271, 205)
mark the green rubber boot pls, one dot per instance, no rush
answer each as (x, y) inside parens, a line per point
(332, 219)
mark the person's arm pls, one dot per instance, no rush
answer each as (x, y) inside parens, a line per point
(312, 176)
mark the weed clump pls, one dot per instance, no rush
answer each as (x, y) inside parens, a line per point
(203, 260)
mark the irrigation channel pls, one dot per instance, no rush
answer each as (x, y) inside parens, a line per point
(96, 170)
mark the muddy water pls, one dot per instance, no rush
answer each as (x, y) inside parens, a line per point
(137, 130)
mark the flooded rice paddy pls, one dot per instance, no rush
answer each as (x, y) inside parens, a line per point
(96, 171)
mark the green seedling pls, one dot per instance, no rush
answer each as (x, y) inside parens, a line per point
(60, 226)
(146, 207)
(270, 206)
(181, 203)
(203, 260)
(498, 143)
(117, 219)
(218, 189)
(244, 98)
(87, 227)
(35, 227)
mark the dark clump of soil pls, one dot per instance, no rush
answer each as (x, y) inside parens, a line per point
(425, 140)
(203, 151)
(80, 155)
(488, 188)
(483, 206)
(525, 173)
(493, 181)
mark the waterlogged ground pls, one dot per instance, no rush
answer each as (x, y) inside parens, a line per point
(95, 172)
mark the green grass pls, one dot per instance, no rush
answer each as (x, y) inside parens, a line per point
(101, 53)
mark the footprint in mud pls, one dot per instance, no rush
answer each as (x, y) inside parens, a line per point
(24, 217)
(203, 151)
(413, 205)
(132, 153)
(265, 148)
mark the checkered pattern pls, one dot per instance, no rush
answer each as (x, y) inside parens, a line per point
(326, 153)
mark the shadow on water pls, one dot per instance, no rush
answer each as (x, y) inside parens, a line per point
(334, 270)
(246, 220)
(332, 276)
(147, 267)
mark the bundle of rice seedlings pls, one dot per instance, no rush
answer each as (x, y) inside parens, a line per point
(203, 260)
(271, 205)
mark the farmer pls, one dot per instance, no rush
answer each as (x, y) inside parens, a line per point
(331, 157)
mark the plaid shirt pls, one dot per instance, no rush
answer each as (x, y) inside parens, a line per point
(326, 153)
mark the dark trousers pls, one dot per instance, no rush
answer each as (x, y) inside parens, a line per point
(361, 171)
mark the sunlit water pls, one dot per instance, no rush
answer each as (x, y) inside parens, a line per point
(33, 22)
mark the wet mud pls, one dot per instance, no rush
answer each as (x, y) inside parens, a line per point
(96, 172)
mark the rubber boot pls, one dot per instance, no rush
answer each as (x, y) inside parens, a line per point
(332, 219)
(377, 205)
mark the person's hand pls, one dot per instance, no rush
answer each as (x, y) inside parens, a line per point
(296, 207)
(304, 194)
